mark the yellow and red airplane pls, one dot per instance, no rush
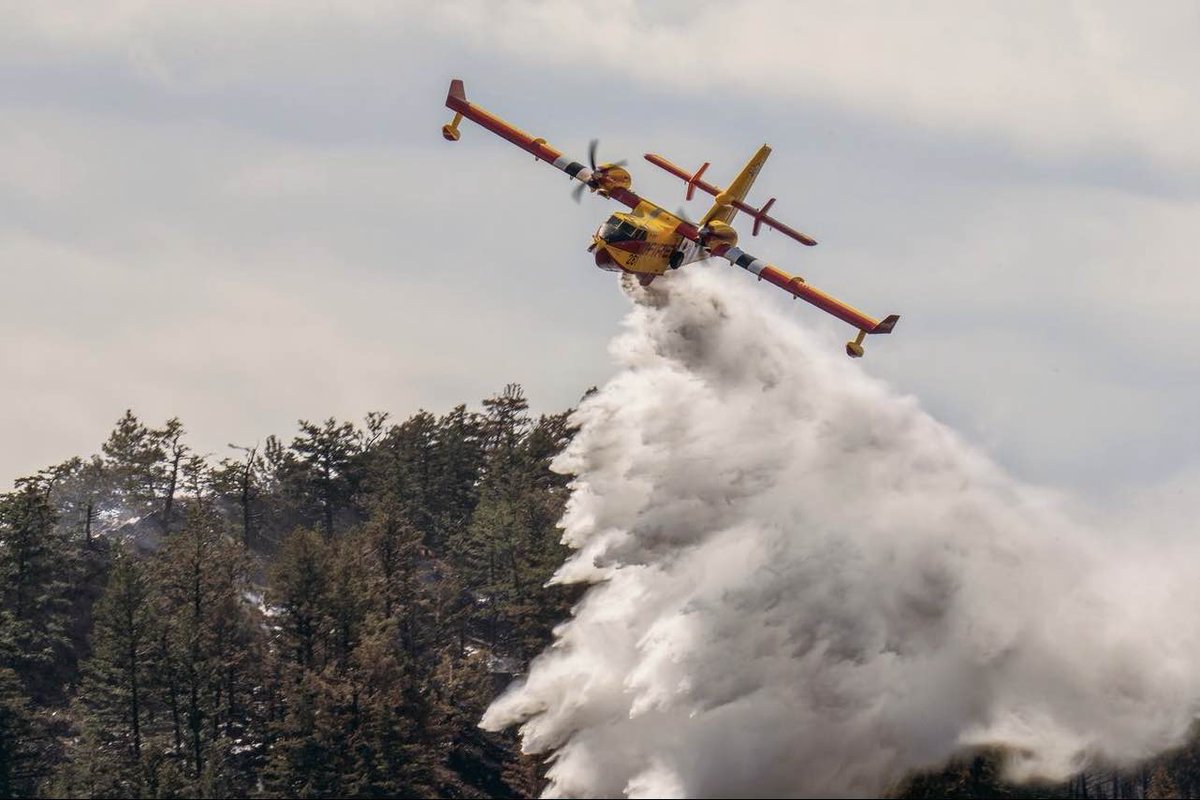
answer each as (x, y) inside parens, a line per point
(648, 240)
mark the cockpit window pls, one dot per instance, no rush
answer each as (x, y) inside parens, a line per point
(608, 231)
(618, 230)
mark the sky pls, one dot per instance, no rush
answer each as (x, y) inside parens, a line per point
(243, 214)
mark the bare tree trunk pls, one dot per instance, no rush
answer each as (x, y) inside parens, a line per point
(246, 532)
(134, 711)
(169, 502)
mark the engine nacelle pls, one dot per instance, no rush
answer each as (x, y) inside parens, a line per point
(718, 232)
(613, 177)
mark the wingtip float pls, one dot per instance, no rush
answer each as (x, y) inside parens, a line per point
(648, 240)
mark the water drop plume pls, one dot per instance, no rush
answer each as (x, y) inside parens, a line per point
(803, 585)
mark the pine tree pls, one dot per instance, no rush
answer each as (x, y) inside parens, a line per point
(115, 698)
(403, 471)
(133, 457)
(79, 491)
(299, 587)
(328, 475)
(540, 607)
(511, 547)
(36, 565)
(210, 647)
(19, 757)
(458, 463)
(1162, 785)
(312, 748)
(397, 746)
(175, 454)
(349, 602)
(392, 553)
(239, 482)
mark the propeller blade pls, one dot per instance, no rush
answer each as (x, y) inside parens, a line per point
(592, 153)
(577, 192)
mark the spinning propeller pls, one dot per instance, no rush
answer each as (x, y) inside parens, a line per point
(598, 172)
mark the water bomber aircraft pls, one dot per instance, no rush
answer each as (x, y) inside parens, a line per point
(648, 240)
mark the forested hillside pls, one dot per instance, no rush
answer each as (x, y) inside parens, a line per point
(326, 616)
(322, 617)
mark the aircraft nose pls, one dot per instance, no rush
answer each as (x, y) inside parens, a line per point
(603, 259)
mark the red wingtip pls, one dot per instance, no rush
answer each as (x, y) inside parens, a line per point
(457, 93)
(888, 323)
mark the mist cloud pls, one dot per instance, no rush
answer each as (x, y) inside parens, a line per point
(805, 585)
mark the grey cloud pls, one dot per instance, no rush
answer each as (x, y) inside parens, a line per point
(295, 156)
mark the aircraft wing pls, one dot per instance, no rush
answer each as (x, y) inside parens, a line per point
(456, 101)
(797, 287)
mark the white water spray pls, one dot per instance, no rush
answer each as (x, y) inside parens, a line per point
(804, 585)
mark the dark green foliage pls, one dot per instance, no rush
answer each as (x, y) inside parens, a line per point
(115, 700)
(133, 457)
(314, 619)
(323, 472)
(511, 547)
(19, 758)
(37, 565)
(238, 484)
(210, 646)
(300, 586)
(977, 774)
(428, 469)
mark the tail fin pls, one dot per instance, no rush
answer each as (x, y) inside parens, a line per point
(888, 323)
(737, 190)
(457, 94)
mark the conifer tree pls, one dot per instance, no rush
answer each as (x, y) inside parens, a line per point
(399, 742)
(210, 645)
(458, 462)
(404, 471)
(299, 587)
(115, 698)
(511, 547)
(175, 454)
(36, 566)
(312, 746)
(133, 457)
(80, 494)
(239, 481)
(326, 457)
(19, 757)
(1162, 785)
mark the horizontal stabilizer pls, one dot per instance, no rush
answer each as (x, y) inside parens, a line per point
(759, 215)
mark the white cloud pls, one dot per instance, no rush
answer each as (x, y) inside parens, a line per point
(1067, 79)
(975, 169)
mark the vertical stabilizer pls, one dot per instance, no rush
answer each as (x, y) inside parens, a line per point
(723, 210)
